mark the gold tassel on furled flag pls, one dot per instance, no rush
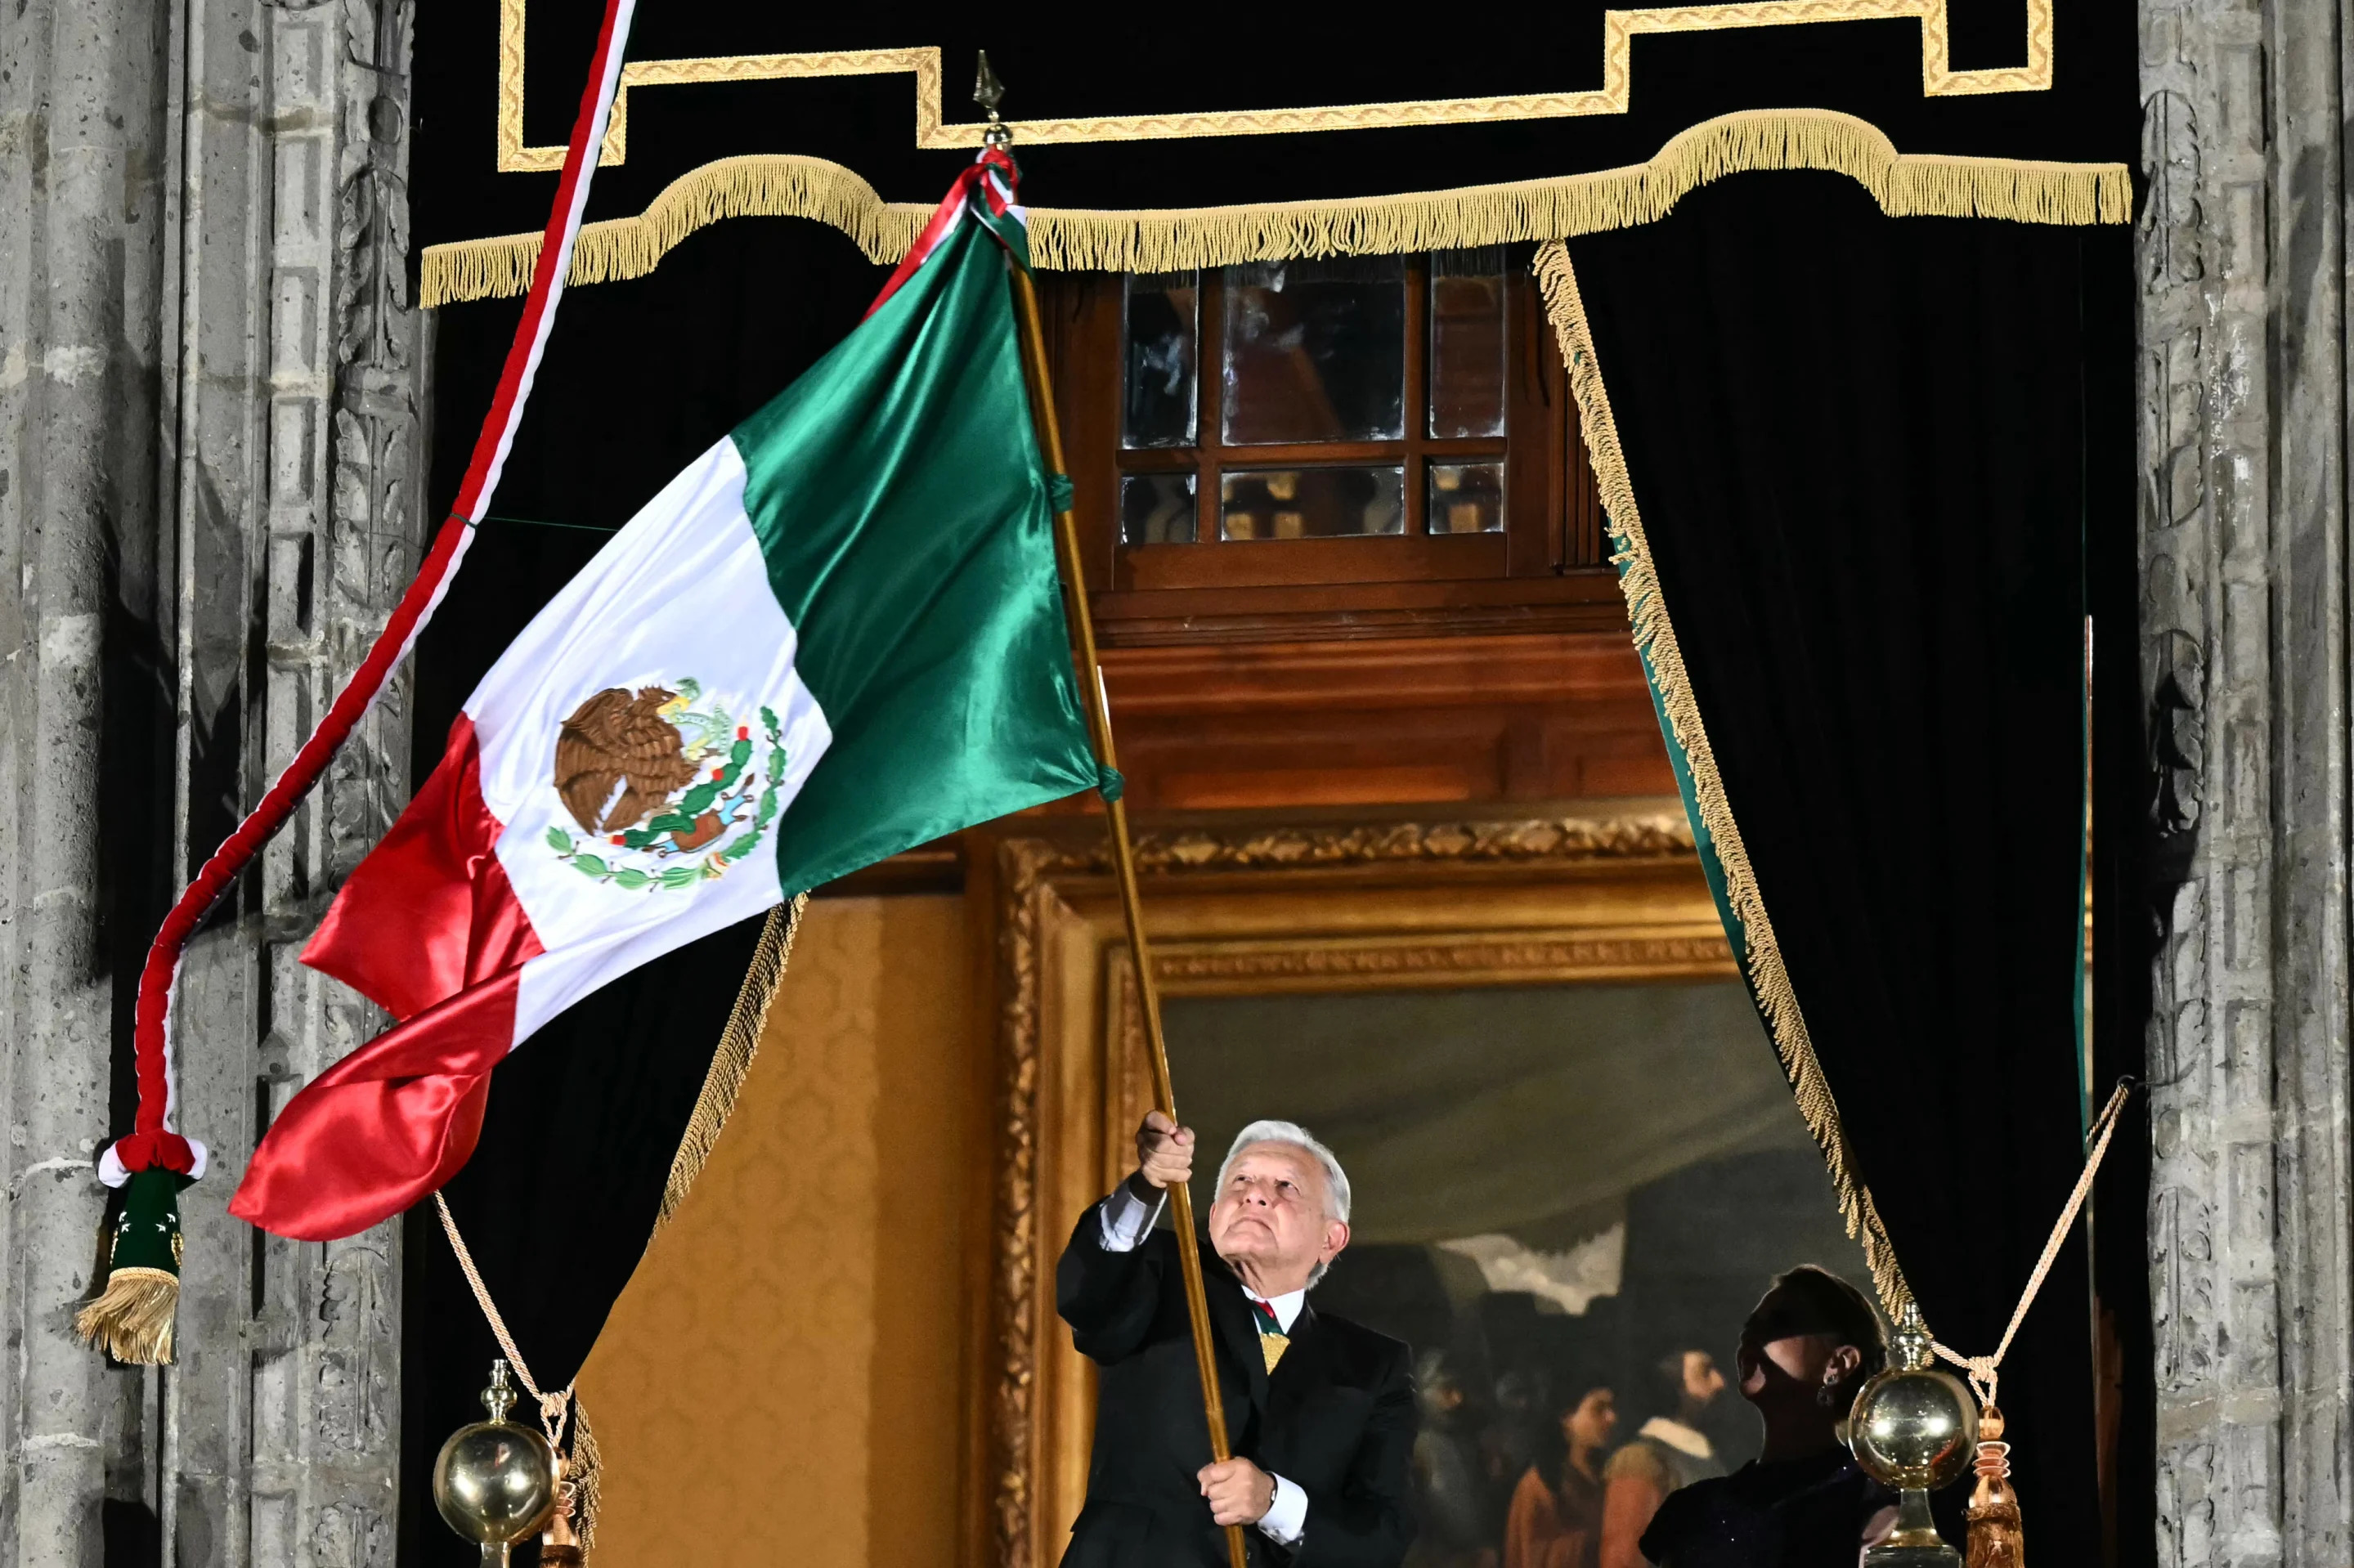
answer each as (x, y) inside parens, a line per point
(1994, 1538)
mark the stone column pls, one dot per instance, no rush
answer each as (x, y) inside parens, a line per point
(210, 457)
(2243, 429)
(297, 491)
(82, 132)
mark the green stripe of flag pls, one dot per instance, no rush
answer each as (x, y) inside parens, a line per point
(899, 496)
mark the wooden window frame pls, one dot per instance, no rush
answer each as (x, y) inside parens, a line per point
(1546, 569)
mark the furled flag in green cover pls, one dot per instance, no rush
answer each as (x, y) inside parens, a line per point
(838, 634)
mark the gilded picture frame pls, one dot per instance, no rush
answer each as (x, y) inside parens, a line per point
(1613, 892)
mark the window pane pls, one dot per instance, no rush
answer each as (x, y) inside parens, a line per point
(1161, 320)
(1466, 498)
(1315, 351)
(1156, 509)
(1467, 344)
(1312, 502)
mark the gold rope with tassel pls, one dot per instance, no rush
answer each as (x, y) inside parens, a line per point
(571, 1535)
(131, 1319)
(584, 1475)
(1995, 1531)
(555, 1410)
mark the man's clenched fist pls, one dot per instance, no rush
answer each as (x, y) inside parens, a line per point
(1239, 1491)
(1164, 1152)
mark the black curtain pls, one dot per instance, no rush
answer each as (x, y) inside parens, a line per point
(1861, 448)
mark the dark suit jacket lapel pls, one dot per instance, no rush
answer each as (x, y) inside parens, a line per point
(1303, 1366)
(1230, 1318)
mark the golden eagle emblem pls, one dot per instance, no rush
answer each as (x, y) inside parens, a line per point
(619, 757)
(670, 787)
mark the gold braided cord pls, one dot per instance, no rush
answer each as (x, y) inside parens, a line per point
(1655, 634)
(584, 1470)
(1620, 30)
(1985, 1371)
(552, 1406)
(1176, 240)
(740, 1042)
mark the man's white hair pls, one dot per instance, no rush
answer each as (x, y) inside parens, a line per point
(1336, 1180)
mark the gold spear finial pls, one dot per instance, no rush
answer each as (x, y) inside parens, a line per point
(989, 92)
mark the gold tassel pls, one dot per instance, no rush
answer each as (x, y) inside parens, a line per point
(558, 1546)
(1994, 1507)
(132, 1319)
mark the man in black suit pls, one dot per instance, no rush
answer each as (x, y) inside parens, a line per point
(1320, 1412)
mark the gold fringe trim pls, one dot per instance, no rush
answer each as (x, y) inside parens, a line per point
(132, 1320)
(586, 1472)
(766, 185)
(1655, 633)
(784, 185)
(740, 1042)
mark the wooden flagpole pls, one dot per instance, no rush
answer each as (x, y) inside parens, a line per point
(1123, 860)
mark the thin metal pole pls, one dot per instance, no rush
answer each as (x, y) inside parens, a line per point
(1123, 860)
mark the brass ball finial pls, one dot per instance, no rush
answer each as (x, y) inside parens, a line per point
(496, 1481)
(1915, 1429)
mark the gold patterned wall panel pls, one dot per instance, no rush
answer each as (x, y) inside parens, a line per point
(803, 1310)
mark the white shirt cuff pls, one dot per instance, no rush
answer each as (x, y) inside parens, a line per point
(1128, 1219)
(1286, 1519)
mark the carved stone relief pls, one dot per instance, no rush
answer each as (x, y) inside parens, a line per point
(299, 527)
(2243, 403)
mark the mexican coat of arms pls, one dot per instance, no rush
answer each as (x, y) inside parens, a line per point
(666, 785)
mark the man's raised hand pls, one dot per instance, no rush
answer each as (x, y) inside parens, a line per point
(1164, 1152)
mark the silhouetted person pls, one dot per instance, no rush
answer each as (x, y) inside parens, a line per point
(1556, 1515)
(1803, 1502)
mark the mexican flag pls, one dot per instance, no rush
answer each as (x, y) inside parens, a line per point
(836, 635)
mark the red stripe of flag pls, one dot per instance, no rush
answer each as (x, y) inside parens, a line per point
(395, 1119)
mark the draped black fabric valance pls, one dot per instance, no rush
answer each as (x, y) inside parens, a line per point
(1178, 142)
